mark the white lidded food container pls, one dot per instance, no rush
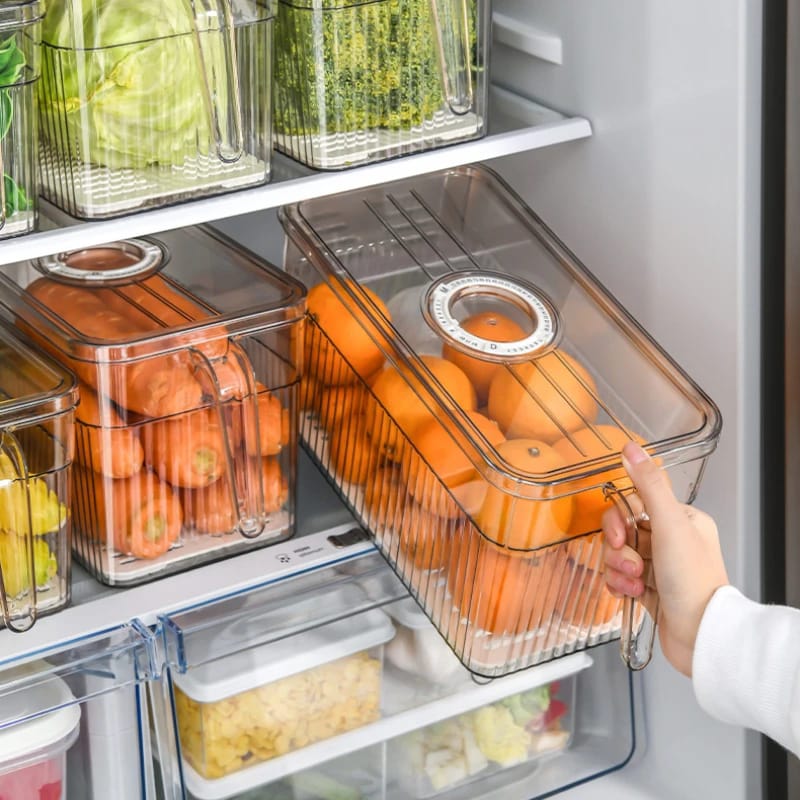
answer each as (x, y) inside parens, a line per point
(252, 689)
(38, 724)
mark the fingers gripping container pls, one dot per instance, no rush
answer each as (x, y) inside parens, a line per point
(20, 41)
(37, 410)
(358, 81)
(157, 102)
(186, 351)
(469, 387)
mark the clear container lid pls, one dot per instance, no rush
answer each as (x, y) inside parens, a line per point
(185, 288)
(32, 387)
(443, 248)
(15, 14)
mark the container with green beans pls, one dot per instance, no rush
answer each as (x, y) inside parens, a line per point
(358, 81)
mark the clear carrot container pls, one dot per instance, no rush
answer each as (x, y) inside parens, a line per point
(469, 388)
(185, 348)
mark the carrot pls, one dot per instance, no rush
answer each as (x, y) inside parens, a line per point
(103, 442)
(157, 386)
(272, 430)
(188, 450)
(211, 509)
(140, 516)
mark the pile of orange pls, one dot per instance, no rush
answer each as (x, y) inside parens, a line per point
(400, 434)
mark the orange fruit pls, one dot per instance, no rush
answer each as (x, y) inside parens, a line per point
(487, 325)
(348, 349)
(340, 402)
(440, 461)
(584, 600)
(353, 454)
(403, 411)
(543, 399)
(502, 594)
(309, 393)
(525, 523)
(423, 539)
(586, 444)
(384, 498)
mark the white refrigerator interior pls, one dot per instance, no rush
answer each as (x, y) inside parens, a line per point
(647, 168)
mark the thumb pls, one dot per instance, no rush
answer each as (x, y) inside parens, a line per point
(652, 485)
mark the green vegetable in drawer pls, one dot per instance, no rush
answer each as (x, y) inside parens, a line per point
(350, 65)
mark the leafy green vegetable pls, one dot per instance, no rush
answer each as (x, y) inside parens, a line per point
(347, 65)
(123, 83)
(527, 705)
(12, 64)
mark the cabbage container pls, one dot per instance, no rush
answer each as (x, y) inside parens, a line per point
(185, 348)
(150, 103)
(358, 81)
(20, 32)
(469, 388)
(37, 402)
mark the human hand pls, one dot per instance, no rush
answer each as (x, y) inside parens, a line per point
(679, 562)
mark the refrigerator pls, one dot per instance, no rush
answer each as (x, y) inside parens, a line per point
(638, 132)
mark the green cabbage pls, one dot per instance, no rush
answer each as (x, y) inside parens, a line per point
(122, 82)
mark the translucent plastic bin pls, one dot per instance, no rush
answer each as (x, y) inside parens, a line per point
(185, 348)
(72, 721)
(37, 411)
(20, 41)
(515, 730)
(155, 106)
(469, 388)
(258, 678)
(361, 81)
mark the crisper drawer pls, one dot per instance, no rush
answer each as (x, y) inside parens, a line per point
(73, 721)
(335, 684)
(185, 348)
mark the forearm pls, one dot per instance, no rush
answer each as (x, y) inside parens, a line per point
(746, 666)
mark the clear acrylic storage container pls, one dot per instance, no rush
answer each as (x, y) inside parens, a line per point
(152, 103)
(20, 41)
(185, 347)
(264, 675)
(37, 410)
(358, 81)
(469, 387)
(73, 721)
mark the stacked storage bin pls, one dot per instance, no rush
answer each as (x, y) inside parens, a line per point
(186, 350)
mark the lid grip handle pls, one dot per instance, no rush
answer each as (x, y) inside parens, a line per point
(451, 26)
(638, 624)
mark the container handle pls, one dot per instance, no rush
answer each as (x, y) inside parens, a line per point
(638, 625)
(451, 25)
(2, 184)
(223, 108)
(19, 614)
(242, 474)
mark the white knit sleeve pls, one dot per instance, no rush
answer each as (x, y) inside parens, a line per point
(746, 665)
